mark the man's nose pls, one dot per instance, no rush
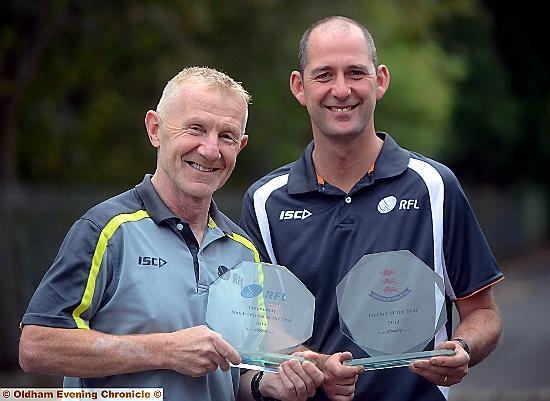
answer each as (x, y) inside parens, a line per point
(341, 89)
(209, 148)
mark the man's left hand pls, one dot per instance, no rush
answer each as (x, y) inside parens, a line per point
(295, 382)
(443, 370)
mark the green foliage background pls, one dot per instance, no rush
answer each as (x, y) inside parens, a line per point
(78, 77)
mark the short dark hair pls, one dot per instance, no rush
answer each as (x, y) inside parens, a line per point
(304, 42)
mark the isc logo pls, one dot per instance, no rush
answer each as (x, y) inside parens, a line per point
(150, 261)
(294, 214)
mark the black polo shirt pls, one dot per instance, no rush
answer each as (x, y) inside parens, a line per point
(408, 202)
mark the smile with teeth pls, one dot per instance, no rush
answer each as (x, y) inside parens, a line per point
(341, 109)
(197, 166)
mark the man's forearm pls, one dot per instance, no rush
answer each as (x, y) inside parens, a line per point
(480, 327)
(87, 353)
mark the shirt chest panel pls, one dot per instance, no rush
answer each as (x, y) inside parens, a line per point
(332, 233)
(155, 288)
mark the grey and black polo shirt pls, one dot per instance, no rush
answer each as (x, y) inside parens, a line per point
(130, 266)
(408, 202)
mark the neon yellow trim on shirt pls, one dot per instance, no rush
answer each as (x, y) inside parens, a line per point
(261, 301)
(106, 234)
(247, 243)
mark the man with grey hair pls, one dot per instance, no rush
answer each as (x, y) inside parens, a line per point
(124, 303)
(355, 192)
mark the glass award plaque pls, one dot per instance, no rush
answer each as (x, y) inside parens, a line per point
(391, 304)
(263, 311)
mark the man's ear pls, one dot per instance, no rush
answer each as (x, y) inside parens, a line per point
(297, 87)
(152, 124)
(244, 141)
(382, 81)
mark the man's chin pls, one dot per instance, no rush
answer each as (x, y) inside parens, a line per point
(200, 191)
(343, 133)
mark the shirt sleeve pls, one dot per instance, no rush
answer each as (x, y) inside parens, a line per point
(470, 264)
(71, 290)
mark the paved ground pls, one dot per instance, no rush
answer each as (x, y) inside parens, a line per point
(518, 370)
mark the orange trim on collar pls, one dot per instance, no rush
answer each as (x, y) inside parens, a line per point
(321, 180)
(371, 168)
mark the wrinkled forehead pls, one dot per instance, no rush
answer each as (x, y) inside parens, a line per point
(195, 97)
(196, 91)
(337, 42)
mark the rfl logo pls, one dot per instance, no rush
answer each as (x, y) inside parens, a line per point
(387, 204)
(251, 291)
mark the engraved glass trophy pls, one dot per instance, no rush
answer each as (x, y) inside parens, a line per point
(391, 304)
(263, 311)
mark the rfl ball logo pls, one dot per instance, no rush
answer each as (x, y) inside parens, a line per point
(251, 291)
(387, 204)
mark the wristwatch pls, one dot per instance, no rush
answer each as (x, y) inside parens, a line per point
(255, 388)
(463, 344)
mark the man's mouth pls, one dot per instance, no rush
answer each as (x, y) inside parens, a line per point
(341, 109)
(197, 166)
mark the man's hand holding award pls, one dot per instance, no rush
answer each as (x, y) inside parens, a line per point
(391, 304)
(263, 311)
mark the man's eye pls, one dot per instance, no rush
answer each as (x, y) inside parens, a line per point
(356, 74)
(324, 77)
(228, 138)
(195, 129)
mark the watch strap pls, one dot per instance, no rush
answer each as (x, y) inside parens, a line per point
(464, 345)
(255, 388)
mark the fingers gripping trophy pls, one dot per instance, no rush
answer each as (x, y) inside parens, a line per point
(263, 311)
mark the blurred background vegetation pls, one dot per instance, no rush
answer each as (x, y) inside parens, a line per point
(469, 82)
(469, 87)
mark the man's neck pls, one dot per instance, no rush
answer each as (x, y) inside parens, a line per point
(192, 210)
(344, 163)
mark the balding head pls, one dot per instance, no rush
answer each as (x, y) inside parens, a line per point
(334, 23)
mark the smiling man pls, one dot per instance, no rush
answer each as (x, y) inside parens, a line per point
(355, 192)
(124, 302)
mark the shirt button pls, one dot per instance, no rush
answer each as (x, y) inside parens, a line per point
(348, 199)
(179, 226)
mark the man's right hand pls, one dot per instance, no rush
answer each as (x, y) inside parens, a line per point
(198, 350)
(339, 379)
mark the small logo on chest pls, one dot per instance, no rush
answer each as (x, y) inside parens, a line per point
(389, 203)
(150, 261)
(294, 214)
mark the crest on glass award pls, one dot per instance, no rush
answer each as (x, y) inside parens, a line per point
(263, 310)
(391, 304)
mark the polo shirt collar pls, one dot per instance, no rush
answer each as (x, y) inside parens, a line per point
(219, 218)
(159, 212)
(157, 209)
(302, 177)
(392, 161)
